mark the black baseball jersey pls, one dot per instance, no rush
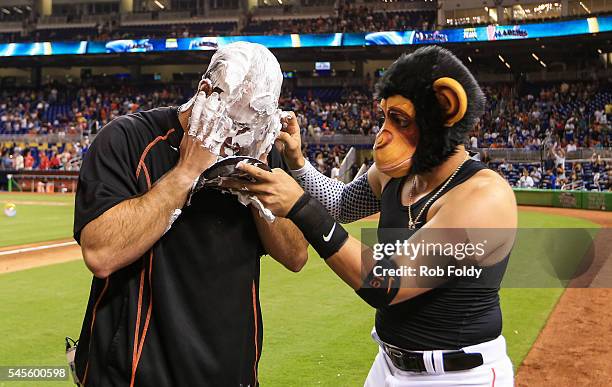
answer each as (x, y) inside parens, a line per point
(462, 313)
(187, 312)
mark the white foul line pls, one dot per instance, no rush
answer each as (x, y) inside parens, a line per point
(36, 248)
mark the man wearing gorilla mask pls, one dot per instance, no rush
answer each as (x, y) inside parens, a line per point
(175, 297)
(439, 331)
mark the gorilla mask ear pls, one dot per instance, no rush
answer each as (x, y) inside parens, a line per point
(452, 99)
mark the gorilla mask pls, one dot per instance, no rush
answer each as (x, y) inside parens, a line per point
(430, 101)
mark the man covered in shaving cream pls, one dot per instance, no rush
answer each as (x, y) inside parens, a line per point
(437, 331)
(175, 296)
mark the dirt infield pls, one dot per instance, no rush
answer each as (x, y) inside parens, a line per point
(37, 203)
(45, 253)
(574, 347)
(603, 218)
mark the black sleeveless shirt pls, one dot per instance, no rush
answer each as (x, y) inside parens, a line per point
(461, 314)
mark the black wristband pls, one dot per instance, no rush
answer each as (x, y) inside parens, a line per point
(380, 290)
(318, 226)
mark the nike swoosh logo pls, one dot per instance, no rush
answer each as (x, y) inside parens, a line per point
(327, 237)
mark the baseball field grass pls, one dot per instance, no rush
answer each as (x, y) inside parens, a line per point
(317, 331)
(39, 218)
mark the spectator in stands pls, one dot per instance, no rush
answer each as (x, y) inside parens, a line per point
(6, 162)
(54, 161)
(536, 176)
(29, 160)
(525, 181)
(560, 171)
(44, 162)
(320, 164)
(550, 180)
(596, 179)
(473, 141)
(335, 171)
(18, 163)
(559, 155)
(575, 182)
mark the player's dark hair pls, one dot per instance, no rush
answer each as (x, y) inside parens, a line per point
(412, 76)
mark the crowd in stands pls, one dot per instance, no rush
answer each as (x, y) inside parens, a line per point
(594, 174)
(559, 119)
(572, 116)
(17, 156)
(353, 112)
(74, 111)
(346, 19)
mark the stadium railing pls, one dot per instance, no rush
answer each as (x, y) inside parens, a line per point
(39, 181)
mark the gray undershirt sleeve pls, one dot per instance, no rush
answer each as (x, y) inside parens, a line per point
(345, 202)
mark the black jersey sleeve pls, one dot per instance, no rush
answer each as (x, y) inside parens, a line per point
(107, 176)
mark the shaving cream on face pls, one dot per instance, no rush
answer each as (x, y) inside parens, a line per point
(248, 78)
(241, 115)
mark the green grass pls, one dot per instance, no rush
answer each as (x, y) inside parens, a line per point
(317, 332)
(39, 308)
(35, 222)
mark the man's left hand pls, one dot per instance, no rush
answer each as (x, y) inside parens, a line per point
(276, 189)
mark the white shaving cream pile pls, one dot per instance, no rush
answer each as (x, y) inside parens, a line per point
(242, 110)
(246, 79)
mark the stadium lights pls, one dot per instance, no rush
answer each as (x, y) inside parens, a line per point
(6, 11)
(160, 5)
(543, 64)
(585, 7)
(507, 64)
(28, 8)
(599, 51)
(534, 56)
(280, 2)
(470, 59)
(501, 58)
(19, 11)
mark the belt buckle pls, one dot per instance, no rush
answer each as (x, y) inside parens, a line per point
(402, 360)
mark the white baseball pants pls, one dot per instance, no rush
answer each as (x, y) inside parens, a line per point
(495, 372)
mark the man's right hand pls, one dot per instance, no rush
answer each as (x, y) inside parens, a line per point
(290, 138)
(194, 158)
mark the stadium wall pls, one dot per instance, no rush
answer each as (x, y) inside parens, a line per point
(586, 200)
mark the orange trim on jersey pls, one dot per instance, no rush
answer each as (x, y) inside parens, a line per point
(93, 320)
(139, 342)
(147, 319)
(256, 322)
(137, 329)
(146, 150)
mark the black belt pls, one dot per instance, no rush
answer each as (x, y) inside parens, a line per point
(413, 361)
